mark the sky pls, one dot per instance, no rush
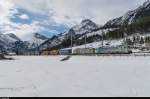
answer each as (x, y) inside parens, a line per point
(51, 17)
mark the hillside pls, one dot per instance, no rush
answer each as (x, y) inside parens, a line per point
(131, 16)
(7, 41)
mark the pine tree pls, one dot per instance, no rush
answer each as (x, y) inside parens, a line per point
(142, 40)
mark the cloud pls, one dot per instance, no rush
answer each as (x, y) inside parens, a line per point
(24, 16)
(53, 15)
(10, 11)
(72, 12)
(22, 30)
(6, 11)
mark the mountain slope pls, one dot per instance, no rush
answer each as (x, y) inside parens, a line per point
(36, 40)
(131, 16)
(13, 37)
(6, 40)
(63, 39)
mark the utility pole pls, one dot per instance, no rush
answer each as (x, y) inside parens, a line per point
(102, 38)
(71, 40)
(36, 47)
(71, 36)
(85, 39)
(125, 38)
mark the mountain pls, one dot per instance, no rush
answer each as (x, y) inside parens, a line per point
(6, 40)
(36, 40)
(86, 26)
(21, 47)
(13, 36)
(63, 40)
(131, 16)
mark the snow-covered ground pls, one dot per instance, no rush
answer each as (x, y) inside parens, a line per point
(99, 44)
(80, 76)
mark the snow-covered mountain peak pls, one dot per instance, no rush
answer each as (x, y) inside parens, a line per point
(85, 26)
(131, 16)
(36, 40)
(87, 21)
(147, 3)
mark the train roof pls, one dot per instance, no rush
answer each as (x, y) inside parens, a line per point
(66, 49)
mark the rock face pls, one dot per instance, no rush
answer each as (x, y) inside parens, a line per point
(131, 16)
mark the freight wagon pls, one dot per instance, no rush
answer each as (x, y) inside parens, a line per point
(67, 51)
(113, 50)
(84, 51)
(50, 52)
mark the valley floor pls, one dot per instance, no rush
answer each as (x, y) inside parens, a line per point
(80, 76)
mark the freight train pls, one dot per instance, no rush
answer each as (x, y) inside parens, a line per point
(89, 51)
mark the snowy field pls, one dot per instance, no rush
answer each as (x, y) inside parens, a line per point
(80, 76)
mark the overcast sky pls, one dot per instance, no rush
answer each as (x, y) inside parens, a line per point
(49, 17)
